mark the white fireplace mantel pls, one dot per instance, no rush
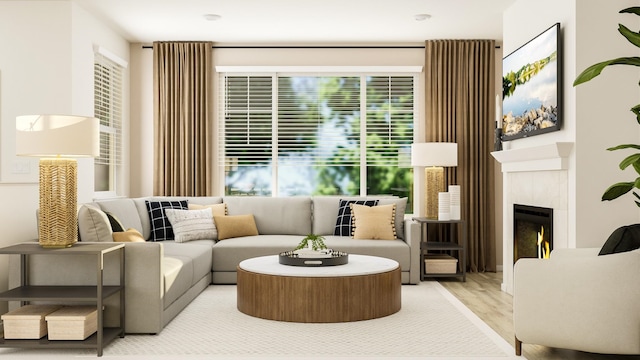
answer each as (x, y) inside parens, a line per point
(553, 156)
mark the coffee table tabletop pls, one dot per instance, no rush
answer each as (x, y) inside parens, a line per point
(357, 265)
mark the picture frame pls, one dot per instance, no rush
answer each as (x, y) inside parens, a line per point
(532, 87)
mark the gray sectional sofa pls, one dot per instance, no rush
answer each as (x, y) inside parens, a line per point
(163, 277)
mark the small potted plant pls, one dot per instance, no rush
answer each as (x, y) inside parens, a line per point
(313, 242)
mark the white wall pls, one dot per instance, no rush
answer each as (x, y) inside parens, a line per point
(589, 35)
(603, 119)
(46, 67)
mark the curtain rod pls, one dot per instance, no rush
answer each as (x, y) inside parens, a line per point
(310, 47)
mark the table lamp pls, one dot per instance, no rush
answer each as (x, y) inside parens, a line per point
(57, 140)
(434, 156)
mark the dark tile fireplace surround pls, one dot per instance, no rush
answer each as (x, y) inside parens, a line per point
(532, 232)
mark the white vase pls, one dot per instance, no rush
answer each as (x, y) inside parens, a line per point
(454, 202)
(444, 206)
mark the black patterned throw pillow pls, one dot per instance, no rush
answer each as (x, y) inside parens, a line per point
(343, 222)
(160, 226)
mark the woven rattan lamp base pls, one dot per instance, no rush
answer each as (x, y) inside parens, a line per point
(58, 222)
(434, 183)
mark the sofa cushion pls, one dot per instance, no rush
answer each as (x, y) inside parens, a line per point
(401, 208)
(130, 235)
(274, 216)
(200, 252)
(216, 209)
(343, 221)
(231, 226)
(228, 254)
(93, 224)
(373, 222)
(126, 211)
(160, 226)
(177, 274)
(114, 222)
(399, 251)
(192, 224)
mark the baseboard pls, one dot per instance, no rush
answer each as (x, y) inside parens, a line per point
(499, 268)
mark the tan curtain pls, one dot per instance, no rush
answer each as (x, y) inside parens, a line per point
(460, 107)
(183, 130)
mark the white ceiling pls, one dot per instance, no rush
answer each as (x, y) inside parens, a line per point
(301, 21)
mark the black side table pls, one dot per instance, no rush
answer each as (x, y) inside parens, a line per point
(459, 246)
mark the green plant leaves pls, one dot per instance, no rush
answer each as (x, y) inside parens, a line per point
(631, 10)
(595, 70)
(631, 159)
(616, 190)
(636, 110)
(624, 146)
(633, 37)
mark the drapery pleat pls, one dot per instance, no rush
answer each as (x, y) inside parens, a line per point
(460, 107)
(183, 130)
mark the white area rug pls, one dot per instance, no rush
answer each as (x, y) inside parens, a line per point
(432, 324)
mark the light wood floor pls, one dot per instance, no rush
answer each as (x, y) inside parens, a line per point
(481, 293)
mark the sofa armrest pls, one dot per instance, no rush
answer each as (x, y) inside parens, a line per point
(412, 236)
(587, 303)
(144, 287)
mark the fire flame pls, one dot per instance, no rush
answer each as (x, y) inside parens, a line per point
(543, 249)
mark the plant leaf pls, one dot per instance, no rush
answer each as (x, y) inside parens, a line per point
(629, 160)
(624, 146)
(636, 110)
(633, 37)
(616, 190)
(636, 184)
(636, 166)
(595, 70)
(631, 10)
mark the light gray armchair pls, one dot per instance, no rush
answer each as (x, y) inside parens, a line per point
(579, 300)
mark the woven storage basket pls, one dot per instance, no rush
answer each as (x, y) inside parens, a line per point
(72, 323)
(27, 322)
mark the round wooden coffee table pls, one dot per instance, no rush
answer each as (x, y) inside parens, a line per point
(368, 287)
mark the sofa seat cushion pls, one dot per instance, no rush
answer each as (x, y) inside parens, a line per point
(274, 216)
(199, 251)
(227, 254)
(397, 250)
(177, 275)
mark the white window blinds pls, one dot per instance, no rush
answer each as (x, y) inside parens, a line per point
(108, 108)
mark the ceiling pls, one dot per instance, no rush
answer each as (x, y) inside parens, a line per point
(301, 21)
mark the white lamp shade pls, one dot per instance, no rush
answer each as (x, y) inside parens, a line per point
(57, 135)
(434, 154)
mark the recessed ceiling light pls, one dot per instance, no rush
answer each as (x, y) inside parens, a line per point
(421, 17)
(212, 17)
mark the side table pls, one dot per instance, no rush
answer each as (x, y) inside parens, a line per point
(458, 246)
(60, 294)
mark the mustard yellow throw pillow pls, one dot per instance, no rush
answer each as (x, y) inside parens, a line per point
(235, 226)
(216, 209)
(131, 235)
(373, 222)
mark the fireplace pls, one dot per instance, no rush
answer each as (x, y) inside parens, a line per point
(532, 232)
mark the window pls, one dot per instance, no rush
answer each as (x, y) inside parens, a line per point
(316, 135)
(108, 109)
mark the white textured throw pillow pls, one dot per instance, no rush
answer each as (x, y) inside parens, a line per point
(192, 224)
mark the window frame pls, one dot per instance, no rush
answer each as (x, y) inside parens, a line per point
(292, 71)
(114, 130)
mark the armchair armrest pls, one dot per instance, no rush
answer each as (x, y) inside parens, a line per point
(587, 303)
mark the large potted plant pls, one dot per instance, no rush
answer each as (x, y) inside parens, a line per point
(618, 189)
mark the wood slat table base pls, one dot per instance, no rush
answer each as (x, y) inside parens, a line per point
(319, 299)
